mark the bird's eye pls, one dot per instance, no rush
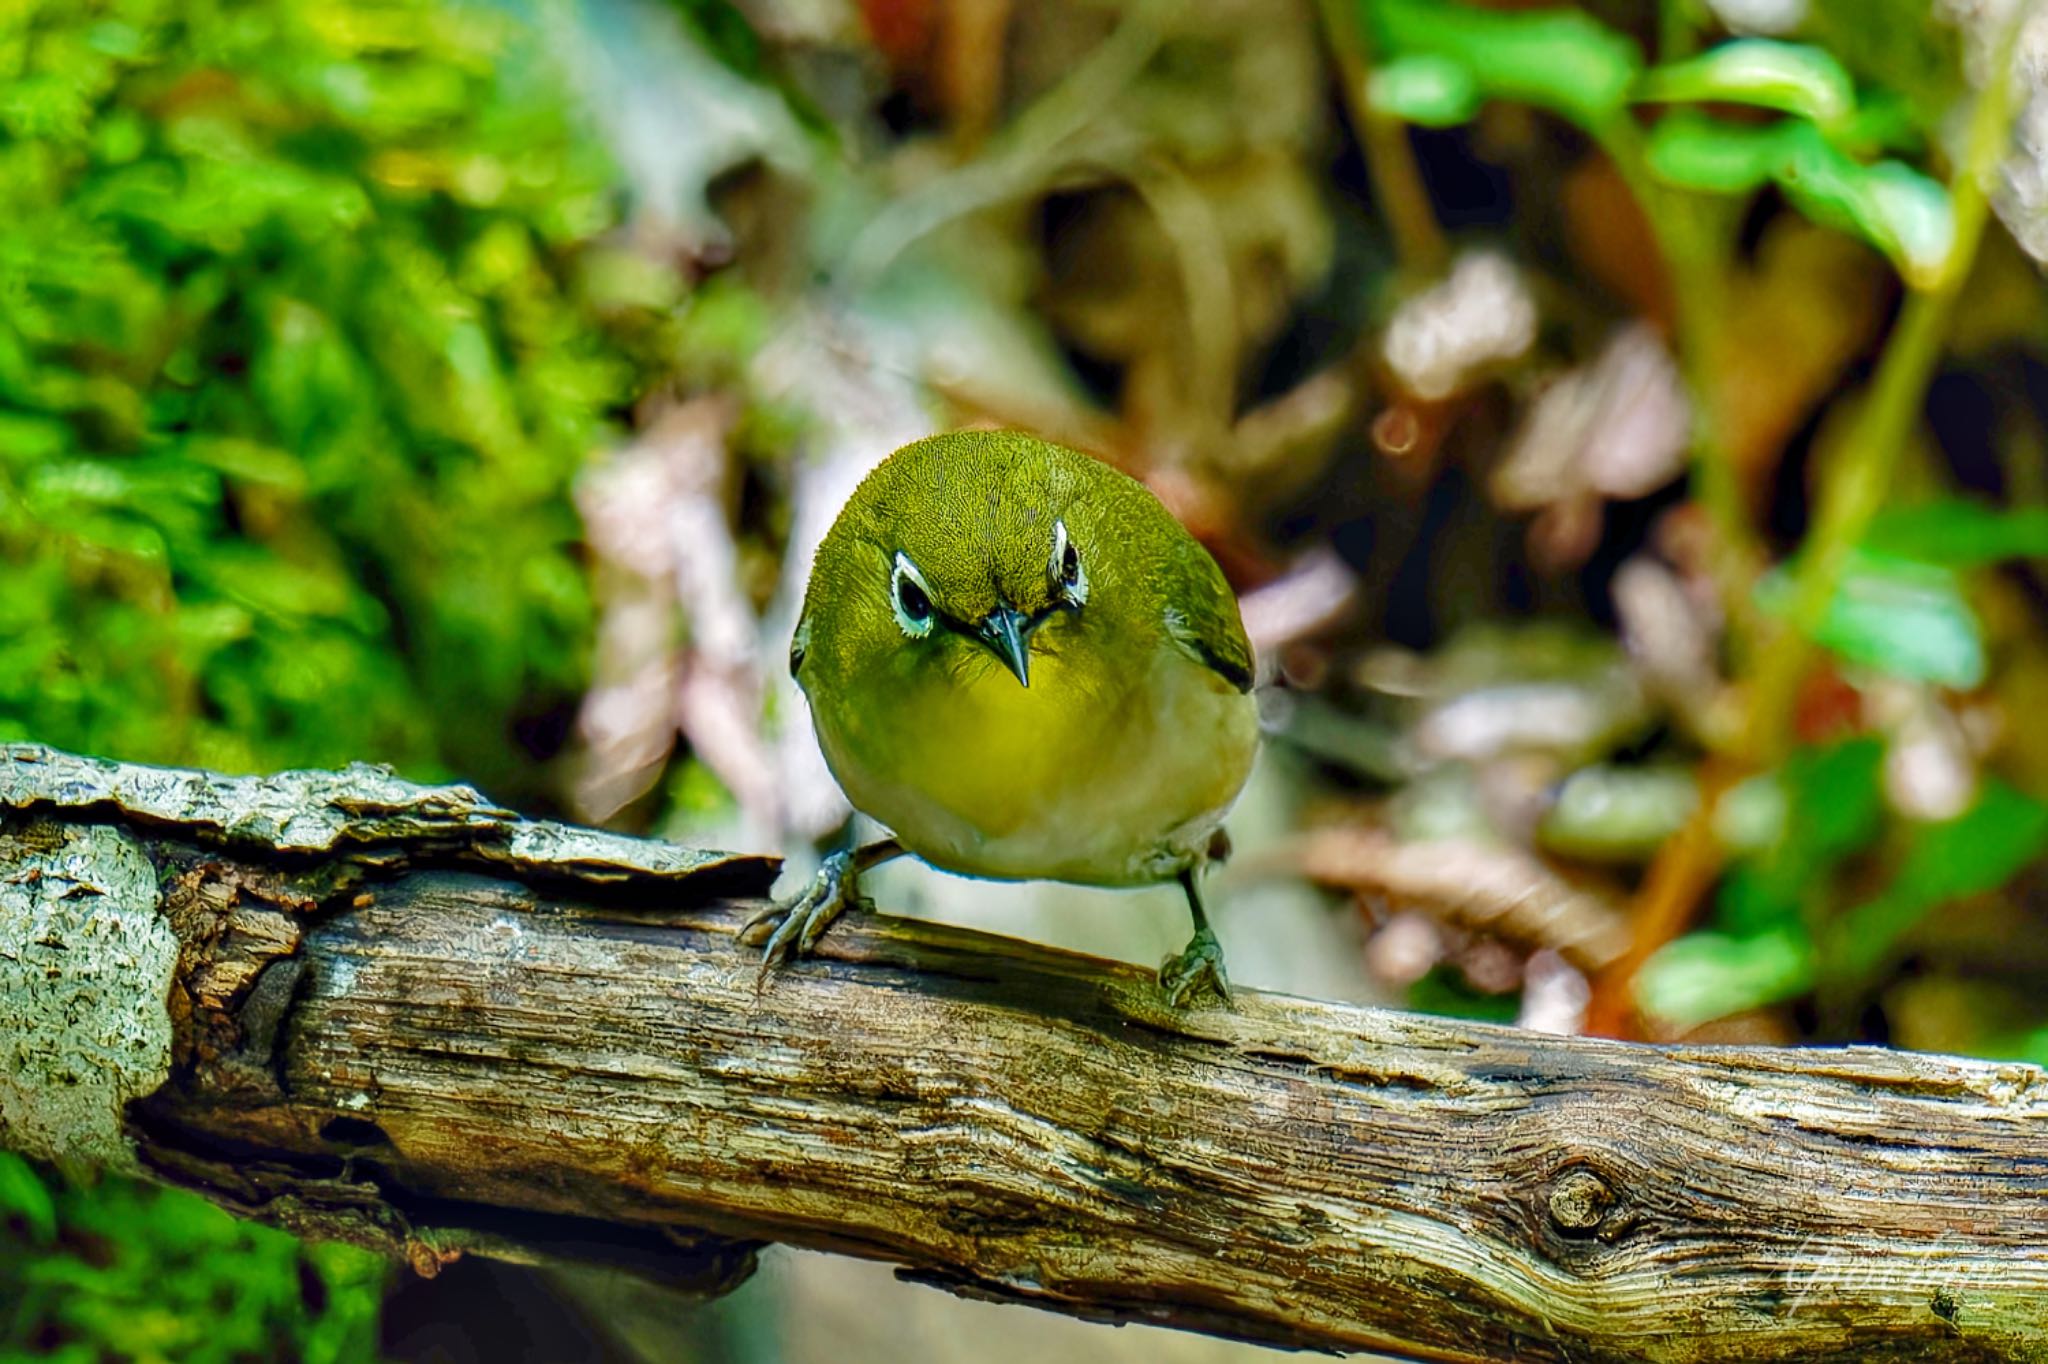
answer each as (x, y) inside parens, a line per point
(1068, 579)
(911, 598)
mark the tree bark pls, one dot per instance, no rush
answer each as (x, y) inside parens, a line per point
(401, 1016)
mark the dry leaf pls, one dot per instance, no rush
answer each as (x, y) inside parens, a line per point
(1475, 886)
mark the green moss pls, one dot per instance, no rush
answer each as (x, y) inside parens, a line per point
(308, 325)
(307, 322)
(124, 1271)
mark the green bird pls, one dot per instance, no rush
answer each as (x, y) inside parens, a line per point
(1024, 667)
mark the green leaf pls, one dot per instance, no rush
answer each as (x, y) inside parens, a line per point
(1837, 795)
(1902, 212)
(723, 29)
(248, 460)
(1793, 77)
(23, 1195)
(1433, 91)
(1972, 854)
(1610, 813)
(1960, 534)
(1890, 205)
(1692, 151)
(1900, 616)
(1556, 59)
(1750, 816)
(1832, 803)
(1704, 976)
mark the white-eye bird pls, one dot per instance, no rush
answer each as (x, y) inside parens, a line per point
(1025, 668)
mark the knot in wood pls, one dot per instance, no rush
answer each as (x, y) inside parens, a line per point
(1579, 1199)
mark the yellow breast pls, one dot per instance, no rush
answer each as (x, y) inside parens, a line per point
(1094, 773)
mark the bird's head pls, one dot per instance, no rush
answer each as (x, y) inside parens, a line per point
(963, 551)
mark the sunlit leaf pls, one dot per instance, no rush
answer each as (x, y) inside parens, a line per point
(1790, 76)
(1904, 213)
(1557, 59)
(1900, 616)
(1704, 976)
(247, 460)
(1433, 91)
(1751, 815)
(1892, 206)
(1695, 152)
(1615, 813)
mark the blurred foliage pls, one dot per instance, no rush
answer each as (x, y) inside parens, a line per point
(311, 314)
(308, 325)
(1862, 840)
(1566, 62)
(123, 1271)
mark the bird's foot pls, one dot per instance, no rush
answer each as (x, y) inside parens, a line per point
(792, 927)
(1197, 971)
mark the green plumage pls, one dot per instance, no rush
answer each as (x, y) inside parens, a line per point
(1020, 663)
(974, 510)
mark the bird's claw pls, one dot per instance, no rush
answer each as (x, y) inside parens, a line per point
(792, 927)
(1197, 971)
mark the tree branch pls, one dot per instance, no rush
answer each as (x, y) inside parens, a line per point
(399, 1015)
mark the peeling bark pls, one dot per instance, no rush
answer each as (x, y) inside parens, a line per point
(403, 1017)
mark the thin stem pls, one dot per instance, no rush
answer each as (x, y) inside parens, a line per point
(1693, 253)
(1856, 481)
(1397, 186)
(1189, 222)
(1677, 33)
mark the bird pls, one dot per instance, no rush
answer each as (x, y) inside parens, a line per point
(1020, 664)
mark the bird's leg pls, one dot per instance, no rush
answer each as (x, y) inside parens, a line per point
(1199, 967)
(793, 926)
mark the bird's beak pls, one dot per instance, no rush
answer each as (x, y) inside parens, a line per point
(1007, 635)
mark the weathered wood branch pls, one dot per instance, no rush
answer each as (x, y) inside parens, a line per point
(365, 1009)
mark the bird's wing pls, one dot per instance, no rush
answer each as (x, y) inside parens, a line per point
(1201, 615)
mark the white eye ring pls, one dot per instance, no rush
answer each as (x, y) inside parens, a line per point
(910, 597)
(1068, 574)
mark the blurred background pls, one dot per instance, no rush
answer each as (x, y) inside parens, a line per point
(1626, 425)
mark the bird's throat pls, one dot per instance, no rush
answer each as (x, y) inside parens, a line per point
(1091, 774)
